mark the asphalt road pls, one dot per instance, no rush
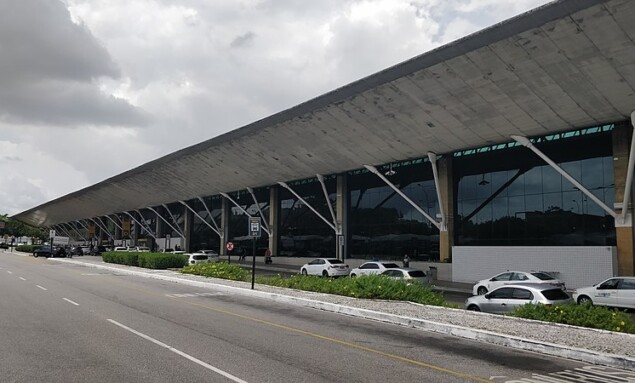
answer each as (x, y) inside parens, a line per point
(67, 323)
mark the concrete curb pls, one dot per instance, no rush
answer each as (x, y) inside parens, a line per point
(612, 360)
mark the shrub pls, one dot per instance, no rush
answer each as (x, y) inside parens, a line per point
(161, 261)
(367, 286)
(222, 270)
(121, 257)
(579, 315)
(27, 248)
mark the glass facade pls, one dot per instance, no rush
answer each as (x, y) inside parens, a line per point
(239, 221)
(302, 233)
(383, 224)
(521, 201)
(202, 236)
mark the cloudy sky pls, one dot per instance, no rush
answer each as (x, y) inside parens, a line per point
(92, 88)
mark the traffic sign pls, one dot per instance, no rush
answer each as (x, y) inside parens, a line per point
(254, 227)
(230, 246)
(51, 233)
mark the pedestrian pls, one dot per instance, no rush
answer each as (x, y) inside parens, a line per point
(406, 260)
(243, 254)
(267, 256)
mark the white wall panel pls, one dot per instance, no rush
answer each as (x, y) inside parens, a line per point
(577, 266)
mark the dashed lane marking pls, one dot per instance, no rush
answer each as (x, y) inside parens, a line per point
(70, 301)
(40, 287)
(10, 272)
(22, 278)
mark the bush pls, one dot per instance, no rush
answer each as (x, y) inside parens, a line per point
(366, 286)
(27, 248)
(579, 315)
(222, 270)
(161, 261)
(121, 258)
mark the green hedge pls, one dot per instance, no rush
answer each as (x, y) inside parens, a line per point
(161, 260)
(579, 315)
(27, 248)
(222, 270)
(147, 260)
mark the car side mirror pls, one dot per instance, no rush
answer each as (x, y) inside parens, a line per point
(486, 296)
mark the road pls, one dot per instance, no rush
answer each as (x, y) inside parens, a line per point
(67, 323)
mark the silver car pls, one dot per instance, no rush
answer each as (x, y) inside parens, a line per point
(504, 299)
(406, 274)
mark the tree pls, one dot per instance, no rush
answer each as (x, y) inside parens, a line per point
(16, 228)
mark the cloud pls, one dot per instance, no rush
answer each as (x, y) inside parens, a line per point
(49, 69)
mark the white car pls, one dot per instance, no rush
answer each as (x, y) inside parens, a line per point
(614, 292)
(370, 268)
(211, 254)
(406, 274)
(139, 249)
(196, 258)
(512, 277)
(120, 248)
(326, 267)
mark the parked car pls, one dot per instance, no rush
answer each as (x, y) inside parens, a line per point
(45, 251)
(326, 267)
(138, 249)
(4, 245)
(505, 298)
(76, 250)
(195, 258)
(515, 277)
(211, 254)
(120, 248)
(613, 292)
(370, 268)
(97, 250)
(408, 275)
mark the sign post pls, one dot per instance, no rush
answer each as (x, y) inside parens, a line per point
(254, 232)
(52, 236)
(167, 241)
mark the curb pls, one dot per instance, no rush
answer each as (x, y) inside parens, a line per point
(612, 360)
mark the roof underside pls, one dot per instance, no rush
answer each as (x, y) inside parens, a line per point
(568, 64)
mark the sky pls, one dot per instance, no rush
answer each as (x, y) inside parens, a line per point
(92, 88)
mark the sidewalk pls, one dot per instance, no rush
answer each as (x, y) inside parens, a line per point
(577, 343)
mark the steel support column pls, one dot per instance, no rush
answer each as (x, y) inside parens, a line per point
(243, 210)
(178, 231)
(140, 225)
(215, 230)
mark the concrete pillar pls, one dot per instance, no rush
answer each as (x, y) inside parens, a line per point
(136, 232)
(224, 225)
(159, 224)
(188, 222)
(446, 186)
(342, 207)
(274, 219)
(625, 236)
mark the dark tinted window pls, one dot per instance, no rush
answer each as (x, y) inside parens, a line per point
(555, 294)
(522, 294)
(609, 285)
(417, 274)
(390, 265)
(627, 284)
(505, 292)
(334, 261)
(519, 277)
(372, 266)
(543, 276)
(199, 257)
(503, 277)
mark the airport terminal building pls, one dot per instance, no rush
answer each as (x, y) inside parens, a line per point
(511, 148)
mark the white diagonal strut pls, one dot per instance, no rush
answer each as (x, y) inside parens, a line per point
(201, 218)
(209, 213)
(335, 229)
(374, 170)
(141, 225)
(326, 196)
(177, 228)
(526, 143)
(102, 228)
(435, 172)
(75, 229)
(264, 220)
(115, 222)
(242, 209)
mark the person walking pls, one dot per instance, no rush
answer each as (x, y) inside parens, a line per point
(267, 256)
(242, 253)
(406, 260)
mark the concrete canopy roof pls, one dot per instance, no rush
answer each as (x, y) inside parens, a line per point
(568, 64)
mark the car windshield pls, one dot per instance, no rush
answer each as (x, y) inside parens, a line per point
(334, 261)
(390, 265)
(555, 294)
(543, 276)
(417, 274)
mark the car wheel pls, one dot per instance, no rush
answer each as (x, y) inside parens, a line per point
(325, 273)
(304, 272)
(481, 290)
(583, 300)
(35, 255)
(353, 275)
(473, 308)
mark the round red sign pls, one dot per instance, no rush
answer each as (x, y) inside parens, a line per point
(230, 246)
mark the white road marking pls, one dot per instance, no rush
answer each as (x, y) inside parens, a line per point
(10, 272)
(43, 288)
(583, 374)
(181, 353)
(190, 295)
(24, 279)
(70, 301)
